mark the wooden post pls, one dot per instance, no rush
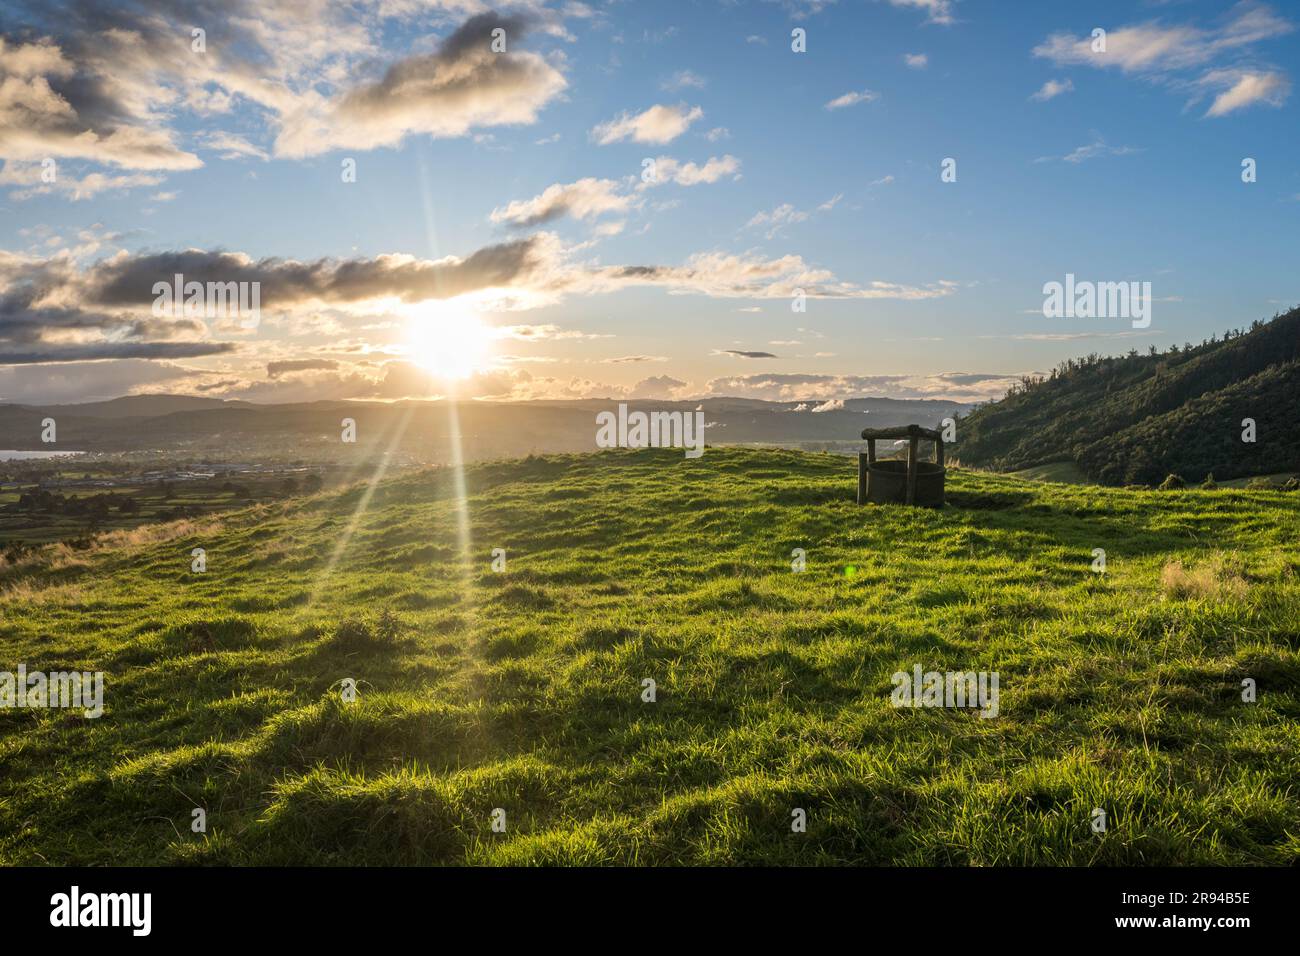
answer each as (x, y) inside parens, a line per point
(938, 452)
(911, 469)
(862, 477)
(871, 451)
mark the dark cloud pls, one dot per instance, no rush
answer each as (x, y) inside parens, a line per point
(220, 385)
(37, 327)
(465, 84)
(276, 369)
(114, 350)
(129, 280)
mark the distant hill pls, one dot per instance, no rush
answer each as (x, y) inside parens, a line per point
(132, 406)
(1135, 419)
(202, 428)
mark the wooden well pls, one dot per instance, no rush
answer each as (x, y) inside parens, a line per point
(910, 482)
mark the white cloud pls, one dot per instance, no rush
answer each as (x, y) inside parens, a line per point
(783, 215)
(1052, 89)
(1170, 53)
(750, 276)
(828, 389)
(27, 181)
(1093, 150)
(917, 61)
(1153, 47)
(546, 332)
(852, 98)
(682, 80)
(232, 146)
(659, 386)
(590, 198)
(937, 11)
(1245, 88)
(658, 125)
(668, 169)
(585, 199)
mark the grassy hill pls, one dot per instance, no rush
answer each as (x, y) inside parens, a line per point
(1066, 471)
(1135, 419)
(522, 690)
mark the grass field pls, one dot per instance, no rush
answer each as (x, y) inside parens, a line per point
(47, 528)
(522, 690)
(1063, 471)
(1070, 473)
(153, 504)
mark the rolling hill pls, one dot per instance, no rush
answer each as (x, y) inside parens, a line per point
(523, 690)
(1135, 419)
(422, 430)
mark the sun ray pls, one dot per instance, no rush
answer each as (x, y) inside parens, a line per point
(355, 520)
(478, 341)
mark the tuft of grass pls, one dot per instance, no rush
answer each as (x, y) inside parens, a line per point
(1216, 579)
(383, 632)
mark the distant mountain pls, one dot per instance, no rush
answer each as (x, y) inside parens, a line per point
(1135, 419)
(211, 429)
(132, 406)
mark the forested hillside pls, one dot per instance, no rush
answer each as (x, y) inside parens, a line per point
(1135, 419)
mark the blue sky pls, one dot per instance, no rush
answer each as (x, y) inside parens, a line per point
(817, 170)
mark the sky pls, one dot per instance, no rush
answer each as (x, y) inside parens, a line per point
(617, 199)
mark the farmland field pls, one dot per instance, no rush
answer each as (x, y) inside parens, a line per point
(522, 689)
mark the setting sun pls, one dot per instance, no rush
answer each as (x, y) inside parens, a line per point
(448, 341)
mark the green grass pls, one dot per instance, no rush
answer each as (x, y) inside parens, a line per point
(1063, 471)
(1278, 479)
(522, 690)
